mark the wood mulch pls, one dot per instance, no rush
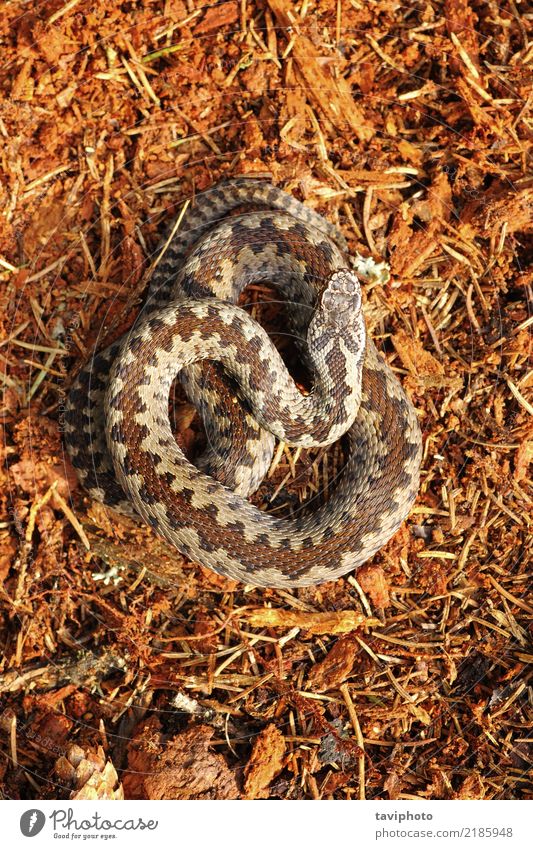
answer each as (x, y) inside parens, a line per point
(410, 126)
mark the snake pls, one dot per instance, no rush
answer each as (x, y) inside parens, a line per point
(117, 427)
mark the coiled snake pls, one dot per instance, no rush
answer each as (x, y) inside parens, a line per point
(117, 427)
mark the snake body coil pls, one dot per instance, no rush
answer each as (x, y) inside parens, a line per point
(117, 427)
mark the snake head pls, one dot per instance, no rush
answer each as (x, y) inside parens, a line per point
(340, 302)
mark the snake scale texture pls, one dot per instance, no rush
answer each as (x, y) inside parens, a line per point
(117, 426)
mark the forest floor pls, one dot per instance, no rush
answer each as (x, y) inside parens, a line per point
(408, 125)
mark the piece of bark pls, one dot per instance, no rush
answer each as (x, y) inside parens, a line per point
(338, 622)
(218, 16)
(427, 371)
(485, 215)
(373, 582)
(84, 671)
(410, 247)
(183, 767)
(523, 459)
(266, 762)
(331, 95)
(335, 668)
(461, 21)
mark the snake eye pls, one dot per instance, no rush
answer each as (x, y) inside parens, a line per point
(356, 302)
